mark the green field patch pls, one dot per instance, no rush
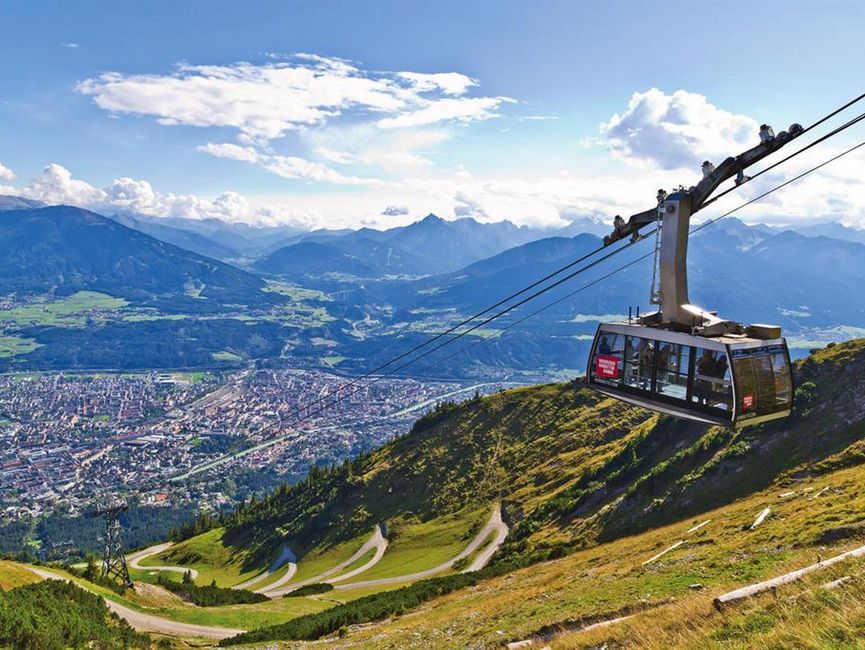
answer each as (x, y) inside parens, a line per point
(333, 360)
(294, 291)
(322, 559)
(210, 556)
(363, 559)
(71, 312)
(248, 617)
(225, 355)
(11, 346)
(417, 546)
(347, 595)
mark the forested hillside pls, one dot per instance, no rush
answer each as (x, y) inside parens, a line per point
(572, 467)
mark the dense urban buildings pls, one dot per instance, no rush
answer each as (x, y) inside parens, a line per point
(163, 437)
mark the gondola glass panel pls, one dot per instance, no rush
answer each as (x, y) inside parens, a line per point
(631, 377)
(639, 363)
(713, 385)
(607, 363)
(763, 382)
(673, 365)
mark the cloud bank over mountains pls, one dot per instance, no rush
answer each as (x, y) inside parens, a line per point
(369, 146)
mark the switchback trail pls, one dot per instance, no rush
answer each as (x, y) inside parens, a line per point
(136, 558)
(286, 556)
(494, 525)
(376, 541)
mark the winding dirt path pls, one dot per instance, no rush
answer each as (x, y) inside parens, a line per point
(269, 589)
(494, 525)
(150, 623)
(136, 557)
(286, 556)
(376, 541)
(501, 532)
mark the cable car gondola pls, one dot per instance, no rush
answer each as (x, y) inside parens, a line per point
(732, 380)
(682, 360)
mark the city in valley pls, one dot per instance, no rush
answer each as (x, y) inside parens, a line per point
(177, 438)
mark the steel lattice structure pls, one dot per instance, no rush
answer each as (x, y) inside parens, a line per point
(113, 557)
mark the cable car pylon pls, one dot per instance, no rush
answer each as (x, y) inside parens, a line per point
(683, 360)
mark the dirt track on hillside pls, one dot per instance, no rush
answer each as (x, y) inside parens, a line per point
(136, 557)
(494, 525)
(150, 623)
(376, 541)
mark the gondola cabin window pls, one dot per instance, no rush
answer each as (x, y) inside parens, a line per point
(762, 380)
(713, 385)
(608, 361)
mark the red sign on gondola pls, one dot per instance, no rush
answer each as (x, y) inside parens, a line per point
(606, 366)
(747, 401)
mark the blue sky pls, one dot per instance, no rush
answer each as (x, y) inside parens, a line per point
(207, 109)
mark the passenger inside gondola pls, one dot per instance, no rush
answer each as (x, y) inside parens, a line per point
(712, 385)
(647, 362)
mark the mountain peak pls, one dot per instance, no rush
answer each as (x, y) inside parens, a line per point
(9, 202)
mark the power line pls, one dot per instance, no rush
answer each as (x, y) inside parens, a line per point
(560, 270)
(337, 398)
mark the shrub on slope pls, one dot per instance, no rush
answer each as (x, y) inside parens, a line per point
(53, 615)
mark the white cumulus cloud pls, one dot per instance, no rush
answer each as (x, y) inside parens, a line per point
(264, 101)
(232, 151)
(6, 174)
(55, 186)
(676, 131)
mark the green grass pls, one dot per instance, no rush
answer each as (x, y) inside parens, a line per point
(225, 355)
(250, 617)
(322, 558)
(333, 360)
(11, 346)
(294, 291)
(366, 557)
(69, 312)
(210, 556)
(420, 546)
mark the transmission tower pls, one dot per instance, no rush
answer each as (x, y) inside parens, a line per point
(113, 559)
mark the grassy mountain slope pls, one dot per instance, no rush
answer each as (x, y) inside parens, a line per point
(572, 467)
(593, 491)
(580, 475)
(551, 602)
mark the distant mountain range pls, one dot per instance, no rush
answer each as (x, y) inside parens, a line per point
(380, 292)
(745, 272)
(64, 249)
(236, 242)
(427, 247)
